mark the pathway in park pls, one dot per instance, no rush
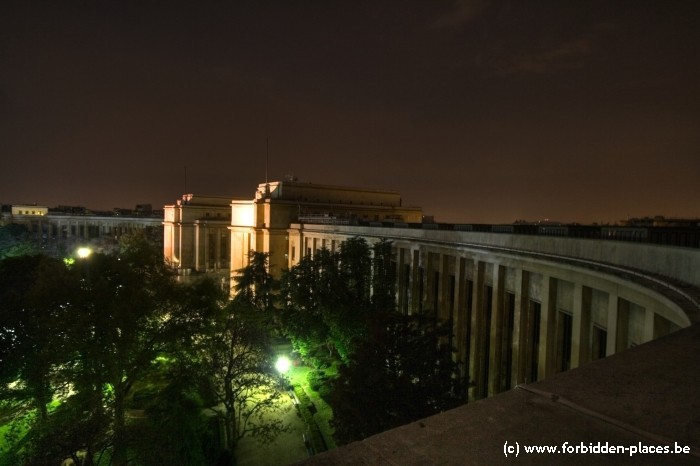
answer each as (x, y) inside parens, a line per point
(287, 448)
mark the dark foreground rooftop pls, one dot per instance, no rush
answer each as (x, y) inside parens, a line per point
(646, 396)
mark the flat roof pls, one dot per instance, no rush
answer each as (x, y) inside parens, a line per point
(645, 396)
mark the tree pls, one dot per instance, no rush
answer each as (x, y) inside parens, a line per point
(124, 313)
(173, 429)
(383, 277)
(401, 373)
(356, 269)
(301, 308)
(326, 299)
(83, 336)
(241, 376)
(35, 302)
(254, 284)
(76, 429)
(15, 240)
(129, 315)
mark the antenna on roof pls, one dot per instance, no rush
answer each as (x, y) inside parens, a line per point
(267, 158)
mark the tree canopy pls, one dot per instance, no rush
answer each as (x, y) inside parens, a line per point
(403, 371)
(101, 353)
(109, 358)
(15, 241)
(339, 308)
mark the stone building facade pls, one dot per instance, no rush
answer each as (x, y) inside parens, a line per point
(526, 307)
(195, 234)
(62, 228)
(523, 307)
(205, 233)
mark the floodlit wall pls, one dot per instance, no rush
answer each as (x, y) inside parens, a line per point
(195, 233)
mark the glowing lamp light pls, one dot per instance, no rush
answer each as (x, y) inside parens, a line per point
(283, 364)
(84, 252)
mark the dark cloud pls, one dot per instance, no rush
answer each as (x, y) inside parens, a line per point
(459, 13)
(565, 56)
(479, 111)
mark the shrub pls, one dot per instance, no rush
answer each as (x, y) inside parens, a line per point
(316, 379)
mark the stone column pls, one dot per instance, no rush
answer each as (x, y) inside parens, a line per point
(207, 265)
(460, 324)
(548, 328)
(611, 342)
(217, 249)
(443, 301)
(197, 247)
(476, 353)
(401, 278)
(520, 327)
(648, 325)
(415, 285)
(496, 331)
(622, 337)
(178, 228)
(428, 285)
(581, 326)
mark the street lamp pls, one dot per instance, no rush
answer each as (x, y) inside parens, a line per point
(84, 252)
(283, 364)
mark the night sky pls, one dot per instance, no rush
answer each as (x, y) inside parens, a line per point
(477, 111)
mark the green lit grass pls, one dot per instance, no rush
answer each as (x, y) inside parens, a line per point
(13, 432)
(16, 423)
(324, 413)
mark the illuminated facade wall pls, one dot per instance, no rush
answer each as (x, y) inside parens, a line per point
(195, 234)
(29, 210)
(262, 224)
(196, 227)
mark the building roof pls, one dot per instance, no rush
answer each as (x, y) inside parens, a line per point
(645, 396)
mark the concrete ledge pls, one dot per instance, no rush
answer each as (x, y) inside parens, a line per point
(674, 262)
(648, 395)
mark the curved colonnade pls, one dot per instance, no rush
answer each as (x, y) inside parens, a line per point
(524, 308)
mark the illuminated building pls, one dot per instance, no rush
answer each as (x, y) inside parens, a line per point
(527, 305)
(195, 234)
(205, 233)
